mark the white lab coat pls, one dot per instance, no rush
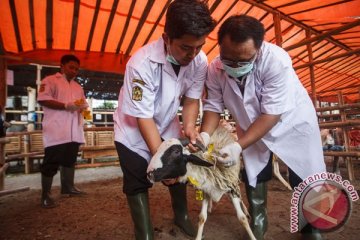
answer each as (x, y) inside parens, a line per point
(272, 87)
(159, 93)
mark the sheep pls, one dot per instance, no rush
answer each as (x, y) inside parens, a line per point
(172, 160)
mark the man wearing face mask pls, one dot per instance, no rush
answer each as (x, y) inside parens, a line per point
(158, 77)
(62, 100)
(256, 82)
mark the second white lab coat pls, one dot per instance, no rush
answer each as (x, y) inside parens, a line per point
(272, 87)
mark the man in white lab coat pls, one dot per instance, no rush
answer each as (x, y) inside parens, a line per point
(256, 82)
(158, 77)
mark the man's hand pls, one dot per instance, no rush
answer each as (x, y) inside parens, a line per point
(192, 135)
(230, 154)
(81, 103)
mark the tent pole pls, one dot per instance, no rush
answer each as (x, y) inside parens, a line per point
(277, 26)
(38, 83)
(3, 91)
(311, 69)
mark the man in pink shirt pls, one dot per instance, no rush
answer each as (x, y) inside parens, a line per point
(62, 100)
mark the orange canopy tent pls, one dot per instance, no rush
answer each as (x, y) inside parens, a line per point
(322, 37)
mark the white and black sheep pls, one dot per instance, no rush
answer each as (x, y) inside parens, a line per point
(172, 160)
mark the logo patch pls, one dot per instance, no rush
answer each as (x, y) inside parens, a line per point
(42, 87)
(137, 93)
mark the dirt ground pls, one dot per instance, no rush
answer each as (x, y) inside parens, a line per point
(103, 215)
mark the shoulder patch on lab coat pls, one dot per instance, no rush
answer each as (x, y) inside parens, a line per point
(139, 81)
(42, 87)
(137, 93)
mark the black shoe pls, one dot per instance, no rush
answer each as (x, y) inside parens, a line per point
(310, 233)
(47, 202)
(73, 192)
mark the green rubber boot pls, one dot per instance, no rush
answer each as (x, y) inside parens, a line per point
(179, 206)
(140, 214)
(257, 198)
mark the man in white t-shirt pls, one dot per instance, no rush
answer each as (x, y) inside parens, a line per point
(62, 100)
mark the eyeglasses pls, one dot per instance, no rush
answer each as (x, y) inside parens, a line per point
(231, 63)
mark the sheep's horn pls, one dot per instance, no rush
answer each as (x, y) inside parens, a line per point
(184, 141)
(200, 145)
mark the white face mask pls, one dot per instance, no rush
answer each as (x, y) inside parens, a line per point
(238, 71)
(169, 57)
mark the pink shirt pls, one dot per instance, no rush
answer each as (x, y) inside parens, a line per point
(61, 126)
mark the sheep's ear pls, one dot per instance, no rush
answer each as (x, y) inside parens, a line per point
(197, 161)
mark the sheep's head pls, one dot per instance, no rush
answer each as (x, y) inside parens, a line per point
(170, 161)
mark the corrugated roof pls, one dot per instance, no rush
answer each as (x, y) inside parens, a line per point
(322, 37)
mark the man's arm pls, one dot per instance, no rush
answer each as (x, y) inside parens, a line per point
(210, 122)
(150, 133)
(71, 106)
(52, 104)
(189, 115)
(258, 129)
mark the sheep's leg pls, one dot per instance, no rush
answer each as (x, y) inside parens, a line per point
(278, 175)
(210, 207)
(242, 217)
(202, 216)
(244, 208)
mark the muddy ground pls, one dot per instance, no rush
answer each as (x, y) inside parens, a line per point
(103, 215)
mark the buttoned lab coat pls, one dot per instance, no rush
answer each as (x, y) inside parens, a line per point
(60, 126)
(272, 87)
(151, 89)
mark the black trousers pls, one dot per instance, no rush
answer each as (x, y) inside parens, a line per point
(59, 155)
(134, 169)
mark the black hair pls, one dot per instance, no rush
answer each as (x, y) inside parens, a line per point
(68, 58)
(190, 17)
(240, 28)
